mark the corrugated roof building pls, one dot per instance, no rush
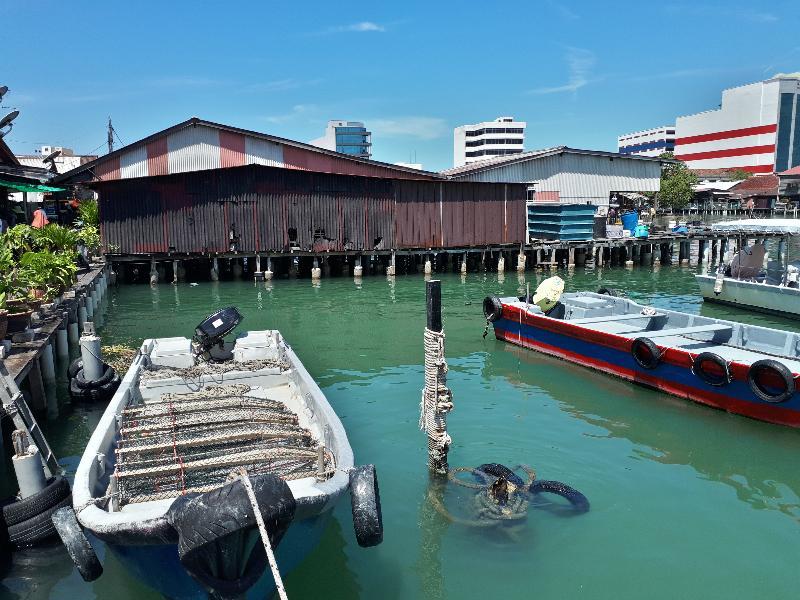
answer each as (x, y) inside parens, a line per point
(568, 175)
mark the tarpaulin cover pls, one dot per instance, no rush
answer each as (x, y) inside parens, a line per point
(29, 187)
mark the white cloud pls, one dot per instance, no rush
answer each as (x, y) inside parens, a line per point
(280, 85)
(421, 128)
(298, 110)
(580, 62)
(360, 27)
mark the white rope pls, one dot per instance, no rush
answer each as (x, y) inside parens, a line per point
(273, 564)
(437, 400)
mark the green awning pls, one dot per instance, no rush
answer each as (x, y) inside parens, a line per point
(29, 187)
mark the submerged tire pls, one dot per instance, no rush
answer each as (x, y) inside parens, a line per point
(646, 353)
(78, 547)
(38, 528)
(365, 500)
(55, 491)
(776, 371)
(492, 308)
(108, 374)
(213, 529)
(498, 470)
(718, 379)
(578, 501)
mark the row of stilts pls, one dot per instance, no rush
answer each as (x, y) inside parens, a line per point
(75, 308)
(593, 253)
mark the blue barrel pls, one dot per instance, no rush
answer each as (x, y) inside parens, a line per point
(630, 220)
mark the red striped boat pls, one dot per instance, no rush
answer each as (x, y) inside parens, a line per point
(743, 369)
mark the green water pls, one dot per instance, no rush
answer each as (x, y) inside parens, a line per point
(687, 502)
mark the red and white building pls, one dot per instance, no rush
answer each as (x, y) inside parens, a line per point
(756, 128)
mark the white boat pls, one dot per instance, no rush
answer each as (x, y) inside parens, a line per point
(154, 482)
(749, 279)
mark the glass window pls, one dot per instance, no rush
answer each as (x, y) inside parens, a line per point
(351, 139)
(796, 148)
(784, 132)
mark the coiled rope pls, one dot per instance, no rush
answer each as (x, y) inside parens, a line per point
(436, 402)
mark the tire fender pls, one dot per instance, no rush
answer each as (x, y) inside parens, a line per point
(711, 379)
(365, 501)
(607, 291)
(644, 343)
(492, 308)
(55, 491)
(75, 366)
(108, 374)
(498, 470)
(779, 370)
(78, 547)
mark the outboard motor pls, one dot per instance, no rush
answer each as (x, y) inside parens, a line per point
(213, 329)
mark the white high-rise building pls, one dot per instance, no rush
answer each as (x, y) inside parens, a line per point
(480, 141)
(651, 142)
(347, 137)
(756, 129)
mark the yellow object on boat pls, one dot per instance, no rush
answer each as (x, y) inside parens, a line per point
(548, 293)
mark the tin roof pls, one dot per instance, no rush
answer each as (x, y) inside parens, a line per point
(224, 146)
(792, 171)
(501, 161)
(757, 185)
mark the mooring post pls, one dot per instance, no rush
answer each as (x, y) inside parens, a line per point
(437, 399)
(358, 270)
(464, 264)
(501, 263)
(47, 362)
(214, 269)
(153, 271)
(268, 272)
(316, 272)
(390, 270)
(521, 261)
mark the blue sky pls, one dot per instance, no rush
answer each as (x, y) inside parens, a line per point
(580, 73)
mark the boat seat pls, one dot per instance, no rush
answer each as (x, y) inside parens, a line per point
(717, 327)
(625, 317)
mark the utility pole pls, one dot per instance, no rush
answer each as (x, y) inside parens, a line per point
(110, 136)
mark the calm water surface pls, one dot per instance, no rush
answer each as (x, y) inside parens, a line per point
(687, 502)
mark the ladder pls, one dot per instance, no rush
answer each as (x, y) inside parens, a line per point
(14, 405)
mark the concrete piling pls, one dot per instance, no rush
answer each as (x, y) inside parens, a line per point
(316, 272)
(521, 261)
(214, 269)
(153, 272)
(62, 337)
(47, 363)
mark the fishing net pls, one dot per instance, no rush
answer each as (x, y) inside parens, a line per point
(181, 443)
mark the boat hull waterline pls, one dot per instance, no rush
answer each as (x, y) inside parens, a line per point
(762, 297)
(612, 354)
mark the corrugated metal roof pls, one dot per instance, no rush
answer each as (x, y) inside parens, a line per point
(501, 161)
(197, 144)
(757, 185)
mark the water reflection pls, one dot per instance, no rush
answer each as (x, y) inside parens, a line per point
(756, 459)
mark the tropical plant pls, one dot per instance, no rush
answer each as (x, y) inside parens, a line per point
(19, 238)
(2, 301)
(56, 239)
(46, 272)
(90, 237)
(89, 212)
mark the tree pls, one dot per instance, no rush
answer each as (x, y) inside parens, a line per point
(676, 183)
(739, 174)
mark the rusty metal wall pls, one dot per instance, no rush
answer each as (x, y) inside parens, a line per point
(265, 209)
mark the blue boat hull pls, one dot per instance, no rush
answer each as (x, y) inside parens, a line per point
(158, 566)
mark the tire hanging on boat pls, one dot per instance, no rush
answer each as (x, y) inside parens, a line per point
(214, 527)
(646, 353)
(78, 547)
(492, 308)
(777, 372)
(711, 378)
(365, 501)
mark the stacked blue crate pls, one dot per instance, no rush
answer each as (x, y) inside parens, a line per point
(556, 221)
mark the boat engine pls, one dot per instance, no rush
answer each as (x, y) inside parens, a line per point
(210, 333)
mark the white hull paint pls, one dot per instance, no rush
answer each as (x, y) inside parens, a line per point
(751, 294)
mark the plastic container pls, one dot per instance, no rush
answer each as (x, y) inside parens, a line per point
(630, 220)
(641, 231)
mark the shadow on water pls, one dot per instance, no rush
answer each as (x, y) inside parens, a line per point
(756, 459)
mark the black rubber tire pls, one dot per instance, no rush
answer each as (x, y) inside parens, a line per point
(101, 394)
(492, 308)
(55, 491)
(75, 366)
(38, 528)
(652, 348)
(781, 371)
(203, 521)
(697, 369)
(609, 291)
(578, 501)
(365, 501)
(108, 374)
(78, 547)
(498, 470)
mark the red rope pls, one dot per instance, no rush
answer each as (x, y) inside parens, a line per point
(178, 458)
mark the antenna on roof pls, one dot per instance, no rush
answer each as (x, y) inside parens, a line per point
(6, 121)
(110, 136)
(51, 158)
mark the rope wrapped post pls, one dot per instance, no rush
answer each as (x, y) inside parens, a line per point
(437, 399)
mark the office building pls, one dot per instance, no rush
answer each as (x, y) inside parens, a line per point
(651, 142)
(481, 141)
(347, 137)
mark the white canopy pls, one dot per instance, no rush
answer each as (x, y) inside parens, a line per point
(790, 226)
